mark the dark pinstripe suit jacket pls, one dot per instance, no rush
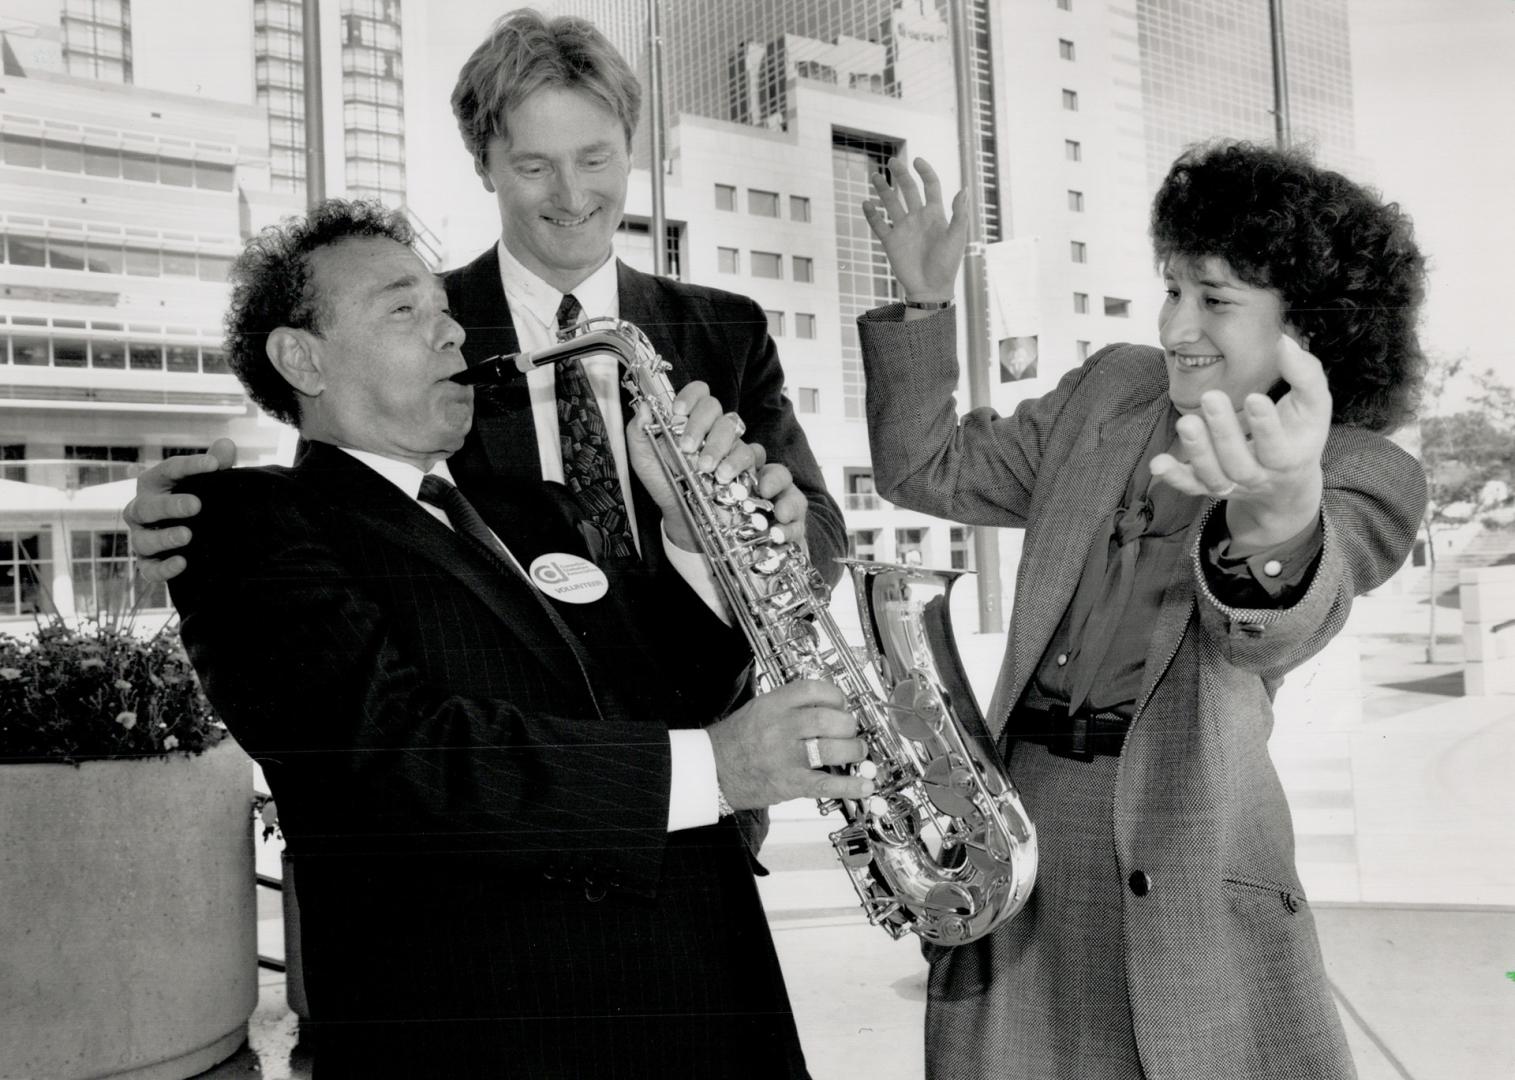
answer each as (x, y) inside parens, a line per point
(707, 334)
(476, 801)
(1223, 966)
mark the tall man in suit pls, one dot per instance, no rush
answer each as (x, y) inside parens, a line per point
(509, 807)
(547, 109)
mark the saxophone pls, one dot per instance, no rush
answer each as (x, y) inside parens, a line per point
(943, 848)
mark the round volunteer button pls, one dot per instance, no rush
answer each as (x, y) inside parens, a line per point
(568, 578)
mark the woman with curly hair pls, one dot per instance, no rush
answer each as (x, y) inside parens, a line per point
(1198, 520)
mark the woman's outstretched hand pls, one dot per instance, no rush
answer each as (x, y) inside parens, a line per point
(1264, 461)
(924, 247)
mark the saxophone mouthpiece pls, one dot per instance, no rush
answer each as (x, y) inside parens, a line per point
(495, 370)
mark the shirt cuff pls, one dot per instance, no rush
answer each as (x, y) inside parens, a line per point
(694, 797)
(694, 568)
(1272, 577)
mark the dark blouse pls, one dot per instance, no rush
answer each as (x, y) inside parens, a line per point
(1096, 657)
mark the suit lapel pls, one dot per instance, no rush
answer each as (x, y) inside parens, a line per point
(378, 504)
(641, 303)
(1080, 502)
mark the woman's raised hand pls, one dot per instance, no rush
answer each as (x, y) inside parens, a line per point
(924, 247)
(1263, 461)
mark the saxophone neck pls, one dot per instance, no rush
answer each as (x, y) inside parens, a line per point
(504, 367)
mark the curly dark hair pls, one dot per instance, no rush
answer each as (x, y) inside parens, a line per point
(272, 287)
(1343, 260)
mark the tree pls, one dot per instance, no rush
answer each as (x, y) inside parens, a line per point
(1462, 452)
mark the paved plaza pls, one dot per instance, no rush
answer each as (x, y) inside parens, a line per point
(1404, 812)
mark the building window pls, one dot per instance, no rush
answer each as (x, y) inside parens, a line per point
(763, 203)
(775, 322)
(799, 208)
(1117, 308)
(633, 245)
(1080, 303)
(109, 255)
(1079, 251)
(116, 463)
(183, 451)
(105, 577)
(910, 546)
(1017, 358)
(809, 400)
(960, 547)
(13, 452)
(63, 153)
(725, 197)
(858, 490)
(26, 573)
(28, 350)
(727, 260)
(804, 325)
(804, 268)
(1065, 48)
(1076, 201)
(1073, 150)
(21, 150)
(97, 39)
(1081, 350)
(766, 264)
(863, 544)
(1070, 100)
(146, 356)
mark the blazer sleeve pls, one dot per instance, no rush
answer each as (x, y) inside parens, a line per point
(1371, 508)
(770, 420)
(315, 678)
(980, 468)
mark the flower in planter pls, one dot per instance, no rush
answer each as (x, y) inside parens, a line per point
(97, 691)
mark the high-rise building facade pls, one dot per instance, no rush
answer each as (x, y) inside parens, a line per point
(370, 58)
(1207, 70)
(97, 39)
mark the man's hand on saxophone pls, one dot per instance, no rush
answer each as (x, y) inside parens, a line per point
(716, 436)
(760, 756)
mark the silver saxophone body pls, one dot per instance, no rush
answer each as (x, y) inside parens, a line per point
(943, 848)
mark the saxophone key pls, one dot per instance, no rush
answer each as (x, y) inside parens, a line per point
(733, 493)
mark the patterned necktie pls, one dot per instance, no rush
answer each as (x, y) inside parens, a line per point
(588, 461)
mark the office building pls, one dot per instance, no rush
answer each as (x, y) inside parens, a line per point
(136, 155)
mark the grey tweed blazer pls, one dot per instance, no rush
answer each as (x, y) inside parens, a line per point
(1223, 966)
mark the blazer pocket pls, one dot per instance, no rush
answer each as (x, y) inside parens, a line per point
(1249, 894)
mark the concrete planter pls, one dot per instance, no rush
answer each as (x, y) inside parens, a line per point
(128, 924)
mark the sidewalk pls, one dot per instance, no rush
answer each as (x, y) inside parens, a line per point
(1405, 825)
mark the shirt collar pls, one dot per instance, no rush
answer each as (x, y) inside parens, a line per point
(402, 474)
(598, 294)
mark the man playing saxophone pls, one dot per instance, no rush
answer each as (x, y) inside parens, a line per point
(508, 801)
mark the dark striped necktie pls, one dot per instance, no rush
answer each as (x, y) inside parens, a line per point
(588, 460)
(465, 519)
